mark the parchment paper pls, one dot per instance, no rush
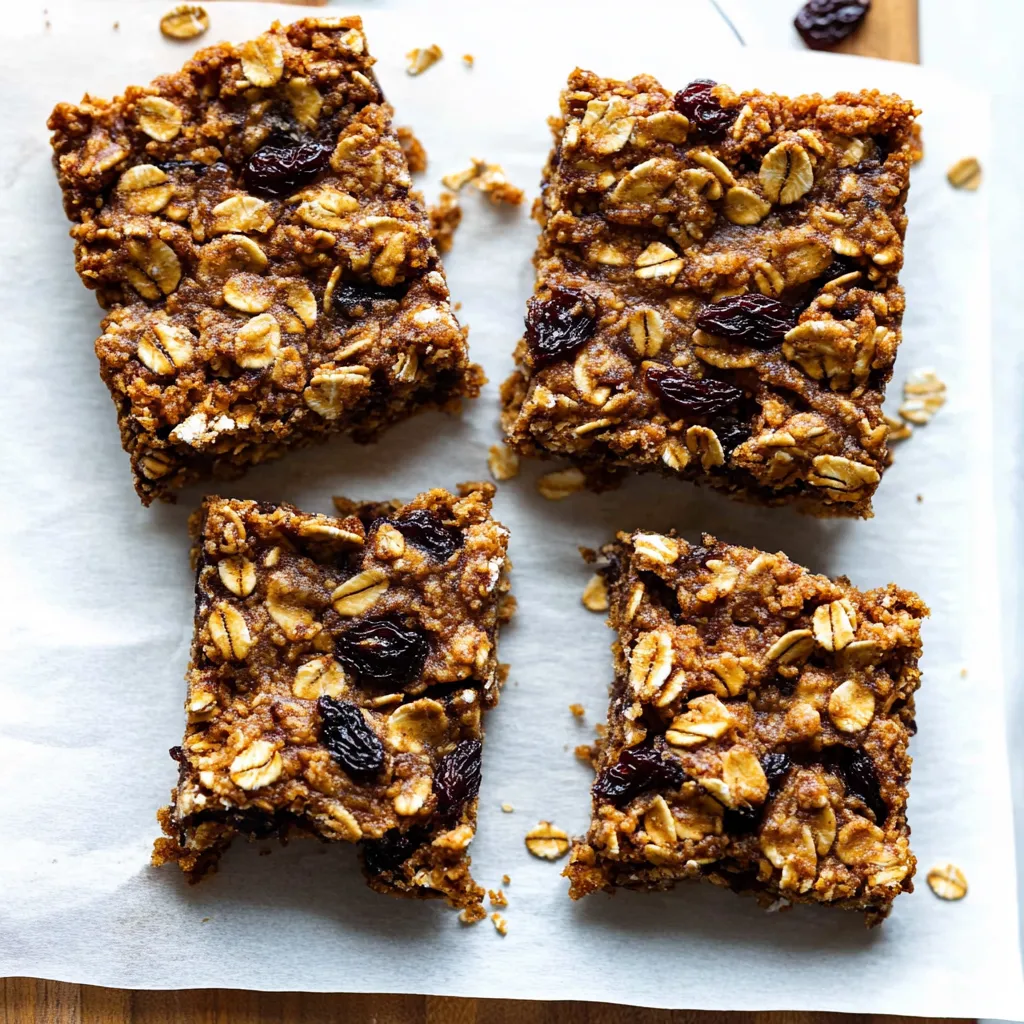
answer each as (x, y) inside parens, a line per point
(98, 594)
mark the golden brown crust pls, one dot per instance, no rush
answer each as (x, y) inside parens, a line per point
(244, 321)
(782, 702)
(801, 200)
(278, 591)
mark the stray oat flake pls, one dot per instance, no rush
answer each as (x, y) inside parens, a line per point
(547, 841)
(500, 924)
(421, 59)
(503, 462)
(184, 22)
(561, 483)
(965, 174)
(924, 393)
(489, 179)
(595, 594)
(948, 882)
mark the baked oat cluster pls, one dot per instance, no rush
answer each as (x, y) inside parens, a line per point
(758, 729)
(269, 275)
(340, 668)
(716, 293)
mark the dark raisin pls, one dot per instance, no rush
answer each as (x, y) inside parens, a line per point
(392, 849)
(693, 559)
(186, 165)
(351, 742)
(731, 433)
(857, 770)
(457, 780)
(704, 112)
(660, 592)
(750, 319)
(422, 528)
(823, 23)
(382, 651)
(283, 164)
(840, 266)
(558, 326)
(682, 395)
(356, 298)
(638, 769)
(775, 766)
(177, 754)
(741, 821)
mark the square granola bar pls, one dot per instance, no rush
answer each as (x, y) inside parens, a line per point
(716, 293)
(249, 224)
(758, 729)
(339, 670)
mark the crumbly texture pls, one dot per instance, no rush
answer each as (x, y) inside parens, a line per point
(652, 219)
(280, 597)
(414, 150)
(758, 729)
(250, 311)
(445, 218)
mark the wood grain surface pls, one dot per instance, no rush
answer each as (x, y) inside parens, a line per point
(890, 30)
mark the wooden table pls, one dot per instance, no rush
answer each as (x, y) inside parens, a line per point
(890, 31)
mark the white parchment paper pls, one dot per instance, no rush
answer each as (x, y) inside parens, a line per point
(97, 592)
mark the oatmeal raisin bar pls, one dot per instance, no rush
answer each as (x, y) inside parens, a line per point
(758, 729)
(269, 276)
(339, 670)
(716, 293)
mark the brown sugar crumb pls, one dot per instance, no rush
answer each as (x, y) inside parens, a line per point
(468, 60)
(584, 752)
(965, 173)
(415, 153)
(488, 178)
(948, 882)
(497, 898)
(422, 58)
(445, 217)
(505, 880)
(184, 22)
(547, 841)
(578, 710)
(500, 924)
(473, 914)
(916, 144)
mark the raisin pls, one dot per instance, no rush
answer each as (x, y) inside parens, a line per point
(823, 23)
(750, 319)
(422, 528)
(662, 593)
(731, 433)
(681, 394)
(356, 298)
(457, 779)
(558, 326)
(741, 821)
(840, 266)
(775, 767)
(638, 769)
(283, 164)
(857, 770)
(392, 849)
(187, 165)
(382, 651)
(705, 113)
(351, 742)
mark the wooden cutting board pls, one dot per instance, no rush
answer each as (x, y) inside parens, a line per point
(889, 31)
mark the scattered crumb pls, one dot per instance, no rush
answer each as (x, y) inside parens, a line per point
(500, 923)
(561, 483)
(266, 853)
(916, 143)
(415, 154)
(963, 673)
(445, 217)
(457, 306)
(578, 710)
(503, 462)
(505, 880)
(924, 394)
(473, 914)
(965, 173)
(204, 920)
(117, 26)
(184, 22)
(498, 899)
(595, 594)
(585, 752)
(421, 59)
(547, 841)
(489, 178)
(920, 499)
(468, 59)
(948, 882)
(601, 729)
(898, 429)
(507, 808)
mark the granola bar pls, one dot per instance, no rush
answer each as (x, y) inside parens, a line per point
(268, 274)
(716, 294)
(339, 670)
(758, 729)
